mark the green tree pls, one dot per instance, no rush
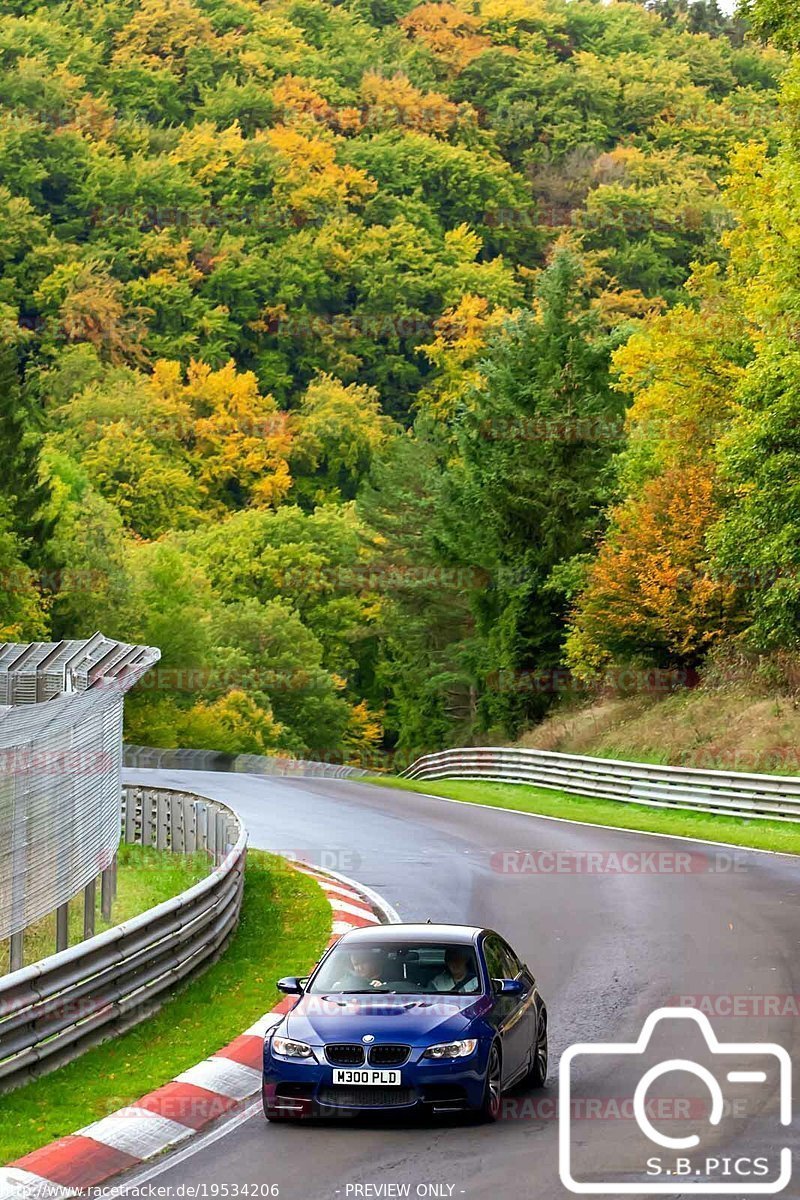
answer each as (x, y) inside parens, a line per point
(339, 431)
(775, 19)
(23, 614)
(526, 490)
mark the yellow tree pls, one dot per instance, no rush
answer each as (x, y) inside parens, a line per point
(299, 103)
(310, 181)
(395, 101)
(452, 34)
(163, 33)
(651, 595)
(461, 334)
(238, 442)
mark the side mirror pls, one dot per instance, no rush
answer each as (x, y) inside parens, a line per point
(291, 985)
(508, 987)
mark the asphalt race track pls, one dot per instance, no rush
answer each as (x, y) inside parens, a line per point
(607, 949)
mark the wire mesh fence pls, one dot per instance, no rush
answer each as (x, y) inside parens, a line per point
(60, 769)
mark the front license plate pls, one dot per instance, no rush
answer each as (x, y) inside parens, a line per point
(366, 1075)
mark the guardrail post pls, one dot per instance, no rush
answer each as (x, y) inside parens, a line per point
(62, 927)
(147, 819)
(16, 952)
(220, 837)
(130, 814)
(201, 809)
(176, 823)
(189, 826)
(107, 891)
(162, 818)
(211, 833)
(89, 900)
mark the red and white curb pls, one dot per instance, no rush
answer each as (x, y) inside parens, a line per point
(194, 1099)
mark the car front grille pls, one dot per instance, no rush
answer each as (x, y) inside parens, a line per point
(388, 1056)
(345, 1054)
(366, 1097)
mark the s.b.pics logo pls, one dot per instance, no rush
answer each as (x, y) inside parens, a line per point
(690, 1127)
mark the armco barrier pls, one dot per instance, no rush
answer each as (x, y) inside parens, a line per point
(244, 764)
(773, 796)
(53, 1010)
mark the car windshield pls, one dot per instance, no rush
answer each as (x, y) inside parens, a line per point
(390, 967)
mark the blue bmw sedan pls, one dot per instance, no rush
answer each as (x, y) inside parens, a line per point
(438, 1018)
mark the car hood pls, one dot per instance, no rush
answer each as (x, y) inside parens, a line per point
(411, 1019)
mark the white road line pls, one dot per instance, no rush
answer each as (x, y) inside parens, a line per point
(330, 888)
(376, 900)
(675, 837)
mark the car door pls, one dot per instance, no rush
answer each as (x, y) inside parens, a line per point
(528, 1002)
(510, 1014)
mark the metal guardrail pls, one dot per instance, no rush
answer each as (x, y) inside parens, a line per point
(53, 1010)
(244, 764)
(774, 796)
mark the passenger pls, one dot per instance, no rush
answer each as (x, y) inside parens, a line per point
(459, 974)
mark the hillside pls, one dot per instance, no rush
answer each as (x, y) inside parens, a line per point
(736, 729)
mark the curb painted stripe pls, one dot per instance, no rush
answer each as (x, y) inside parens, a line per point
(137, 1131)
(259, 1030)
(77, 1162)
(16, 1182)
(247, 1050)
(175, 1112)
(223, 1076)
(187, 1104)
(354, 910)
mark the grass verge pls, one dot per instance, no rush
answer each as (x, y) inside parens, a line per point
(145, 878)
(739, 831)
(285, 926)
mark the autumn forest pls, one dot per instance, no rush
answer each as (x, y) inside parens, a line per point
(395, 367)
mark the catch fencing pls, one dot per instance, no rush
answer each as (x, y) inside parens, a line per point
(776, 797)
(61, 709)
(53, 1010)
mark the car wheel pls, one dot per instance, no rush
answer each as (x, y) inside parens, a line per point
(492, 1091)
(537, 1074)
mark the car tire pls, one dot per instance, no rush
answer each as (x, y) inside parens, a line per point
(537, 1072)
(492, 1090)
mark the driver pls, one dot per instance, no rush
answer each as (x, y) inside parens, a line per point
(459, 973)
(363, 973)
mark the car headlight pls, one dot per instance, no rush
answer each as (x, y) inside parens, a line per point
(288, 1048)
(452, 1049)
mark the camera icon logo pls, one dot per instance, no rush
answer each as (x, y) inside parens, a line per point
(717, 1164)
